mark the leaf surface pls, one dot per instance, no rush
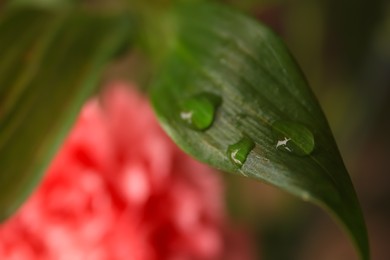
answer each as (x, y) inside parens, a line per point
(267, 124)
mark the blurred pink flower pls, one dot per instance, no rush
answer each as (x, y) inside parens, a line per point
(120, 189)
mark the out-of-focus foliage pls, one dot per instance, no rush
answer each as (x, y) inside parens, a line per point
(46, 74)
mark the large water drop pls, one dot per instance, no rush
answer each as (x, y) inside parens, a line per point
(198, 112)
(293, 138)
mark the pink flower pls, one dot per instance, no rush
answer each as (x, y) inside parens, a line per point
(120, 189)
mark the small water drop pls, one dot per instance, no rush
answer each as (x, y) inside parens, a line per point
(198, 112)
(293, 138)
(239, 151)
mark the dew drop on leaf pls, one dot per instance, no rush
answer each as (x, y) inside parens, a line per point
(293, 138)
(239, 151)
(198, 112)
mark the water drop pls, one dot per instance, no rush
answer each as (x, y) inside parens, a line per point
(239, 151)
(198, 112)
(293, 138)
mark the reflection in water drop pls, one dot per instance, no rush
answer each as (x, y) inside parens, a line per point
(239, 151)
(198, 112)
(293, 138)
(282, 144)
(186, 116)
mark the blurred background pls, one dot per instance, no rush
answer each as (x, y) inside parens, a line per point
(343, 47)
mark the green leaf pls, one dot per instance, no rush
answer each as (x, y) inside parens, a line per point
(50, 63)
(268, 125)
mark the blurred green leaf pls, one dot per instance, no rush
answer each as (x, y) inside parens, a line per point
(267, 124)
(49, 65)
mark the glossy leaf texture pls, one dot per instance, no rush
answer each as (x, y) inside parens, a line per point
(49, 64)
(267, 124)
